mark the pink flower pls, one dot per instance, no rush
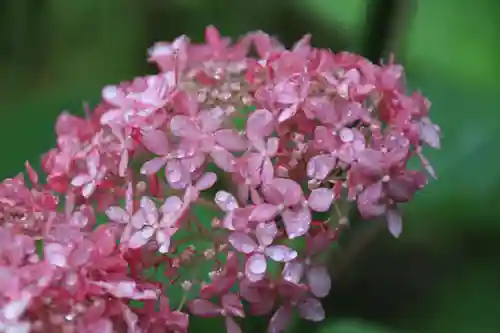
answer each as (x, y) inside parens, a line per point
(162, 224)
(94, 176)
(204, 130)
(250, 147)
(256, 263)
(138, 104)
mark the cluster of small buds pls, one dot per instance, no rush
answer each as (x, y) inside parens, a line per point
(271, 145)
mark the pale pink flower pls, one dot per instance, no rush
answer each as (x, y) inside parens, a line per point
(161, 223)
(256, 263)
(94, 176)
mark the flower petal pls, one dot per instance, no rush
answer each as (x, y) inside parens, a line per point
(394, 222)
(311, 309)
(256, 267)
(320, 199)
(319, 281)
(242, 242)
(281, 253)
(156, 142)
(153, 165)
(204, 308)
(266, 232)
(117, 214)
(264, 212)
(137, 240)
(297, 222)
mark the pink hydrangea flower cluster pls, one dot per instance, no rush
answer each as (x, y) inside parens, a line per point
(287, 138)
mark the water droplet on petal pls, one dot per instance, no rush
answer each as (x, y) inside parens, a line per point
(346, 135)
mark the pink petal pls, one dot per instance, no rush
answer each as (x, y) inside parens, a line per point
(104, 240)
(211, 120)
(56, 254)
(204, 308)
(319, 281)
(153, 165)
(137, 240)
(230, 140)
(88, 189)
(320, 199)
(293, 272)
(371, 162)
(255, 267)
(281, 320)
(369, 201)
(242, 242)
(206, 181)
(112, 117)
(14, 309)
(267, 173)
(172, 204)
(320, 166)
(101, 326)
(264, 212)
(81, 254)
(126, 289)
(287, 113)
(150, 210)
(156, 142)
(117, 214)
(289, 189)
(122, 167)
(427, 165)
(223, 159)
(394, 222)
(177, 175)
(297, 222)
(212, 36)
(147, 232)
(81, 179)
(311, 309)
(281, 253)
(430, 133)
(272, 146)
(93, 162)
(259, 124)
(265, 233)
(163, 238)
(182, 126)
(232, 304)
(401, 188)
(130, 318)
(138, 220)
(226, 201)
(113, 95)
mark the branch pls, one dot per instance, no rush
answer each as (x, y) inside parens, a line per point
(386, 25)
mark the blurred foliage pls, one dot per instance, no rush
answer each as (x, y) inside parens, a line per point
(442, 275)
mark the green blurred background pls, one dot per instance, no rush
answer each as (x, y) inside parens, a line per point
(443, 274)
